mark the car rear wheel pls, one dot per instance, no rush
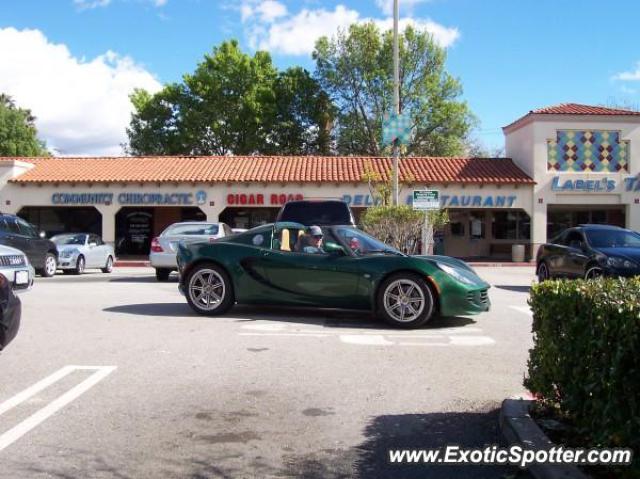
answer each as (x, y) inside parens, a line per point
(208, 290)
(108, 268)
(80, 264)
(405, 300)
(543, 272)
(50, 266)
(162, 274)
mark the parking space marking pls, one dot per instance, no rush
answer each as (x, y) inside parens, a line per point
(523, 309)
(15, 433)
(369, 340)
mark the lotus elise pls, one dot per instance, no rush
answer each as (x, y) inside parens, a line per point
(340, 267)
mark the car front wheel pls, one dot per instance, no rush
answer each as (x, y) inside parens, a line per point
(108, 268)
(80, 264)
(405, 300)
(208, 290)
(162, 274)
(50, 266)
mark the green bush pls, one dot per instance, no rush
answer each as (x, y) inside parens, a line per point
(586, 357)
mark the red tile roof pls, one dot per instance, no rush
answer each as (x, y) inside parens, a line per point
(267, 169)
(577, 109)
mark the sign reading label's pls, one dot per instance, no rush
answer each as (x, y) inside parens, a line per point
(178, 199)
(426, 200)
(603, 185)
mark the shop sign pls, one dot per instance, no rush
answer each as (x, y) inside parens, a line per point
(360, 200)
(474, 201)
(153, 199)
(426, 200)
(632, 183)
(260, 199)
(602, 185)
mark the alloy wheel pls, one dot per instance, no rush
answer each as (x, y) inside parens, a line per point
(543, 273)
(50, 265)
(404, 300)
(593, 273)
(207, 289)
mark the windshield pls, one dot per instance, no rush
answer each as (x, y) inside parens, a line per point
(69, 239)
(613, 239)
(203, 229)
(360, 243)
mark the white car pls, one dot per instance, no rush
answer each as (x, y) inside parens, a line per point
(80, 251)
(15, 266)
(164, 247)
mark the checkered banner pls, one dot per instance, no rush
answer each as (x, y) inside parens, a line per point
(396, 127)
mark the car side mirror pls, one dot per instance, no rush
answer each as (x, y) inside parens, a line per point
(42, 235)
(334, 248)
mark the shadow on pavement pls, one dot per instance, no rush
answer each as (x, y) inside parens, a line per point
(517, 289)
(144, 279)
(330, 318)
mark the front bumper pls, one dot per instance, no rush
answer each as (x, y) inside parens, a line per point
(458, 299)
(15, 274)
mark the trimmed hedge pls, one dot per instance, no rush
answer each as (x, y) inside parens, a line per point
(586, 357)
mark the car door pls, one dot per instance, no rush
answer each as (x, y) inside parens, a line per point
(576, 257)
(311, 278)
(95, 252)
(23, 238)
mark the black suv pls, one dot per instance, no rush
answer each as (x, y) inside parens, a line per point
(589, 251)
(17, 233)
(317, 212)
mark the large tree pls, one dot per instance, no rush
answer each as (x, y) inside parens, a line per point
(356, 68)
(18, 134)
(233, 103)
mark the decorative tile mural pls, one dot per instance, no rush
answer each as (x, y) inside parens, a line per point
(588, 150)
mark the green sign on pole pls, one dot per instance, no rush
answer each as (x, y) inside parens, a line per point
(426, 200)
(396, 127)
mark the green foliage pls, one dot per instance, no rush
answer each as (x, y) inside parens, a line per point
(585, 357)
(356, 69)
(233, 104)
(18, 134)
(398, 226)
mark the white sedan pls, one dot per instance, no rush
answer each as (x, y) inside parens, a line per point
(79, 251)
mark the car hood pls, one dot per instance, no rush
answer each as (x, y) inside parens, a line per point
(5, 250)
(69, 247)
(632, 254)
(458, 264)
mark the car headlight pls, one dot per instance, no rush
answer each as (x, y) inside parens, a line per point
(615, 262)
(458, 274)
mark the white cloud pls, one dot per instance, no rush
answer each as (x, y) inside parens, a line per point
(86, 4)
(291, 34)
(406, 6)
(629, 76)
(82, 107)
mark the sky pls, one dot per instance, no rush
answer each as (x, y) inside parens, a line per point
(74, 62)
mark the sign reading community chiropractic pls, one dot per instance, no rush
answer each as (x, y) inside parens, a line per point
(151, 199)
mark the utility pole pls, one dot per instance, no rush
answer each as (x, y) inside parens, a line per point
(396, 97)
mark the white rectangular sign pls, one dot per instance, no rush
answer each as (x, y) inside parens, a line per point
(426, 200)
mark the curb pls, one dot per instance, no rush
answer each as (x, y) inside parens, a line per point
(518, 428)
(482, 264)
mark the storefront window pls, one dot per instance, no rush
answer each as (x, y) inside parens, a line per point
(476, 225)
(511, 225)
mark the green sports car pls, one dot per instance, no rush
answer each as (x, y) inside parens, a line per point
(338, 267)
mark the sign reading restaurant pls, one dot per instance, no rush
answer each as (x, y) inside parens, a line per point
(446, 201)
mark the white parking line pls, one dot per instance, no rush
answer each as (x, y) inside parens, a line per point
(523, 309)
(54, 406)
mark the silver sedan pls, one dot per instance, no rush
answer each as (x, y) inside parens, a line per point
(79, 251)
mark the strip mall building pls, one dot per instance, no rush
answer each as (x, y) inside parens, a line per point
(566, 165)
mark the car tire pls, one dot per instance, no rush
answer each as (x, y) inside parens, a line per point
(108, 268)
(543, 272)
(216, 279)
(50, 266)
(593, 271)
(162, 274)
(80, 265)
(405, 300)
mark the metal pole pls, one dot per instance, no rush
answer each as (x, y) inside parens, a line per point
(396, 96)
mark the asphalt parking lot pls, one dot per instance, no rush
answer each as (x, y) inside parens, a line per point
(114, 376)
